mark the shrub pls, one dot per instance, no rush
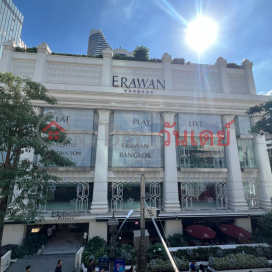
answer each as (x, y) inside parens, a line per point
(233, 65)
(166, 266)
(238, 261)
(31, 245)
(178, 61)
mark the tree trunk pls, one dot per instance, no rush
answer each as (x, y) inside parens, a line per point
(3, 207)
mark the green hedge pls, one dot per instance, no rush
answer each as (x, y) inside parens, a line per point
(74, 55)
(203, 253)
(31, 245)
(27, 50)
(238, 261)
(166, 266)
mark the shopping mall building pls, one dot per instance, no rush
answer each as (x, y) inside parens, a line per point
(128, 118)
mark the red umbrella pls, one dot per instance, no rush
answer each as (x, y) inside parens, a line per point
(201, 232)
(235, 231)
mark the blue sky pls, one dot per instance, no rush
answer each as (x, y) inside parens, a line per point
(244, 28)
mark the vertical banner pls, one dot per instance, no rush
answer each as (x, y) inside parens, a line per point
(103, 264)
(119, 264)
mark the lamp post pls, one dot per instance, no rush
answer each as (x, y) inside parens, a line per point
(141, 260)
(112, 223)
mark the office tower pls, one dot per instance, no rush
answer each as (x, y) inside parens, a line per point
(97, 42)
(11, 22)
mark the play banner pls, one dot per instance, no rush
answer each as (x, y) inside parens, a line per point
(103, 264)
(119, 264)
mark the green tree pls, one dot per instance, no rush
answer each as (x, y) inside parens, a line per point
(141, 53)
(265, 224)
(265, 122)
(18, 123)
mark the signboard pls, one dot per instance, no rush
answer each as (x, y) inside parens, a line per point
(49, 231)
(79, 149)
(137, 121)
(65, 214)
(119, 264)
(132, 151)
(199, 122)
(74, 119)
(103, 264)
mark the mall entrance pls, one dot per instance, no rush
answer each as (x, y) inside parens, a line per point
(64, 237)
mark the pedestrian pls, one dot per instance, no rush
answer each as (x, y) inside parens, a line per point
(131, 269)
(192, 266)
(28, 268)
(201, 268)
(91, 267)
(59, 268)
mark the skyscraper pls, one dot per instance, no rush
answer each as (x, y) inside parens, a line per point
(97, 42)
(11, 22)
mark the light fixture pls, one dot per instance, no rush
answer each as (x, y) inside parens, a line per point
(35, 230)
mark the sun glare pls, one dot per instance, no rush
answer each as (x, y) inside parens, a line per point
(201, 33)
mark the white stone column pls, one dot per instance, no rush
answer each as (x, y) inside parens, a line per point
(170, 186)
(106, 70)
(98, 229)
(14, 234)
(6, 60)
(264, 176)
(167, 71)
(244, 223)
(221, 64)
(250, 83)
(172, 227)
(236, 196)
(100, 189)
(40, 67)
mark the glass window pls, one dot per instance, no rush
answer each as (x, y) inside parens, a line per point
(242, 124)
(246, 153)
(126, 195)
(69, 196)
(198, 195)
(198, 156)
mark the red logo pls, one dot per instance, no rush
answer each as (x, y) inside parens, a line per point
(53, 134)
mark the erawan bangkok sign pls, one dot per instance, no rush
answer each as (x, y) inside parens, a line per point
(136, 85)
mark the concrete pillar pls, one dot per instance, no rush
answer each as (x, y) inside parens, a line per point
(264, 176)
(172, 227)
(167, 71)
(250, 83)
(40, 67)
(6, 60)
(106, 70)
(221, 64)
(14, 234)
(170, 186)
(244, 223)
(98, 229)
(236, 197)
(100, 189)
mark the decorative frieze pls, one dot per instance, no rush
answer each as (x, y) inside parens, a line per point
(186, 81)
(202, 176)
(135, 176)
(23, 68)
(237, 84)
(74, 73)
(73, 177)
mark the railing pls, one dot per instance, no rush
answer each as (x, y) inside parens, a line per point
(5, 261)
(78, 259)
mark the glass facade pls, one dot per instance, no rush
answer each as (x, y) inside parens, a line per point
(11, 22)
(70, 196)
(127, 195)
(246, 153)
(79, 124)
(203, 195)
(242, 125)
(198, 156)
(132, 143)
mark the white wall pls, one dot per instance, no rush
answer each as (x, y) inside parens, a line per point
(98, 229)
(244, 223)
(173, 226)
(14, 234)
